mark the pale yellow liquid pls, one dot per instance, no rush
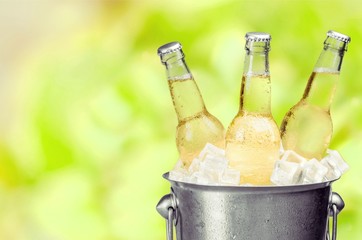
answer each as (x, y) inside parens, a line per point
(307, 127)
(196, 125)
(253, 139)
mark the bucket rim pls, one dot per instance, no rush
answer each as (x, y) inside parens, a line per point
(253, 189)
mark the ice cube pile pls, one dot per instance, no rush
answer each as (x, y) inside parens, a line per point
(294, 169)
(211, 168)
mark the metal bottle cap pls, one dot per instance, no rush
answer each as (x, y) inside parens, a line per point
(257, 37)
(338, 36)
(169, 48)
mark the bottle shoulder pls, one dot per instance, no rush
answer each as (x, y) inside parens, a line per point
(203, 117)
(253, 118)
(305, 107)
(254, 125)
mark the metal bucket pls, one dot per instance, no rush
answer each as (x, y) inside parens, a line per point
(201, 212)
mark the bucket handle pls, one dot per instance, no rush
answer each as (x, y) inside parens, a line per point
(336, 204)
(166, 207)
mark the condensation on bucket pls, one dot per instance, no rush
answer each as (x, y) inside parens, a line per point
(251, 212)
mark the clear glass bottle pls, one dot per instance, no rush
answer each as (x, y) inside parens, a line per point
(196, 126)
(253, 139)
(307, 126)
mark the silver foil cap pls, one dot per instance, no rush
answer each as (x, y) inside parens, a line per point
(169, 48)
(338, 36)
(257, 37)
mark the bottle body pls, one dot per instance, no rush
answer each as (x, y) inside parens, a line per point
(196, 126)
(252, 147)
(199, 127)
(252, 138)
(307, 127)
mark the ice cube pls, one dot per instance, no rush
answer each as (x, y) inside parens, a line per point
(190, 178)
(213, 167)
(179, 165)
(215, 162)
(178, 174)
(211, 174)
(212, 150)
(336, 160)
(199, 178)
(291, 156)
(230, 177)
(286, 173)
(335, 164)
(332, 173)
(194, 166)
(313, 171)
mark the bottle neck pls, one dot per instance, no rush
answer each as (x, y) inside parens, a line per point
(330, 59)
(256, 90)
(256, 59)
(185, 93)
(176, 67)
(323, 80)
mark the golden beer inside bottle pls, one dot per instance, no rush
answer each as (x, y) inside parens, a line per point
(307, 127)
(196, 125)
(252, 140)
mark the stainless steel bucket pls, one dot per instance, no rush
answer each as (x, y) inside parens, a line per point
(201, 212)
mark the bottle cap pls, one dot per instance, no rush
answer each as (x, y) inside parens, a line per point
(338, 36)
(257, 37)
(169, 48)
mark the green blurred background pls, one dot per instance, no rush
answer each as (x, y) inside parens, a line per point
(87, 126)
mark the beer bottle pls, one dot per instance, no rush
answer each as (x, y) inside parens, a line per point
(253, 139)
(196, 126)
(307, 126)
